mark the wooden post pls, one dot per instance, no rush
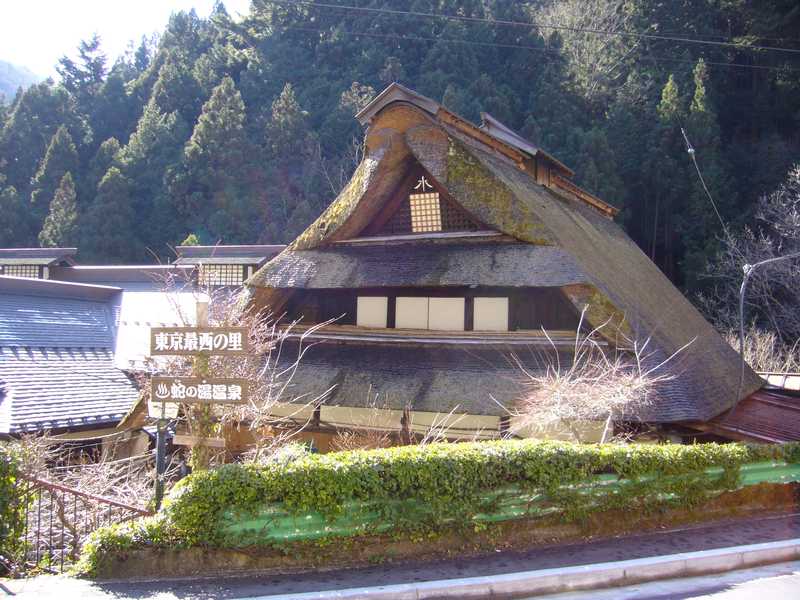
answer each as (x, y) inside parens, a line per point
(202, 414)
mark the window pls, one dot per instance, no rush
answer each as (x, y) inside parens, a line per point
(490, 314)
(411, 313)
(372, 311)
(439, 314)
(220, 275)
(29, 271)
(425, 210)
(446, 314)
(426, 214)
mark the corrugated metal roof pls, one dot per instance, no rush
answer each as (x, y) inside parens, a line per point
(61, 388)
(768, 415)
(54, 322)
(142, 309)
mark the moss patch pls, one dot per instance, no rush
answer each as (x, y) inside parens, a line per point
(489, 199)
(599, 311)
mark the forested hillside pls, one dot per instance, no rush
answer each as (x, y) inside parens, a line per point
(241, 132)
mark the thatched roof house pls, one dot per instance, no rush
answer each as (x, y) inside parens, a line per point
(453, 244)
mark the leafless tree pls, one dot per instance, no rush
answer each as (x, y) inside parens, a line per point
(772, 300)
(275, 354)
(597, 63)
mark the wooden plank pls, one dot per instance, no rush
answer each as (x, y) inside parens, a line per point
(180, 439)
(200, 390)
(193, 341)
(438, 235)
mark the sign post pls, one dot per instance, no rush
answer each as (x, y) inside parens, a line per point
(166, 393)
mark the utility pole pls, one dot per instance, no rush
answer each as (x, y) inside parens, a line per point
(748, 272)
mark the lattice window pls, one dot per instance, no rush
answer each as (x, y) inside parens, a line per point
(424, 210)
(426, 214)
(219, 275)
(28, 271)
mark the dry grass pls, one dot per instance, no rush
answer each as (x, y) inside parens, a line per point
(765, 352)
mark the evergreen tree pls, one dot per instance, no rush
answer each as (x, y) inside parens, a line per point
(151, 152)
(29, 129)
(84, 78)
(61, 224)
(110, 223)
(61, 158)
(14, 222)
(215, 188)
(669, 109)
(101, 162)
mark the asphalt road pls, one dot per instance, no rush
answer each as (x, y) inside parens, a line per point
(719, 535)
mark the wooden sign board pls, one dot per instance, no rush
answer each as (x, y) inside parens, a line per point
(199, 390)
(191, 341)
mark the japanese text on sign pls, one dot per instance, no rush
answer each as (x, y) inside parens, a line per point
(196, 340)
(196, 390)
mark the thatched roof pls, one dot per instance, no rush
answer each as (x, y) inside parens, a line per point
(422, 264)
(430, 379)
(503, 188)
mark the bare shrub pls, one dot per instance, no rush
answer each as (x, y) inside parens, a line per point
(59, 521)
(596, 386)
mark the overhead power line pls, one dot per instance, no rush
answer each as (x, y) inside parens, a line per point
(534, 24)
(438, 39)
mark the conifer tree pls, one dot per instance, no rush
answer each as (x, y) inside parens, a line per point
(14, 221)
(669, 109)
(109, 234)
(61, 158)
(28, 131)
(61, 224)
(215, 187)
(102, 160)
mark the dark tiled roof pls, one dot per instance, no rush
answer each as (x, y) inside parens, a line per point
(226, 255)
(430, 379)
(53, 322)
(61, 388)
(421, 264)
(37, 256)
(57, 357)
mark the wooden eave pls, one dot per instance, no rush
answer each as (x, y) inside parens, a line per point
(467, 128)
(352, 333)
(438, 235)
(564, 185)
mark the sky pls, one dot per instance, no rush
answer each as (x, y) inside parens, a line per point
(36, 33)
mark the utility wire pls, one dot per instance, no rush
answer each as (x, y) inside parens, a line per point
(529, 24)
(510, 46)
(690, 150)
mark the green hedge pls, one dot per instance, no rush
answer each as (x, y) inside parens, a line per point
(12, 510)
(452, 480)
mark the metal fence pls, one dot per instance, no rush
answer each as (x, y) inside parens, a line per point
(58, 519)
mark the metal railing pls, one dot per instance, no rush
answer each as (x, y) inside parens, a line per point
(58, 519)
